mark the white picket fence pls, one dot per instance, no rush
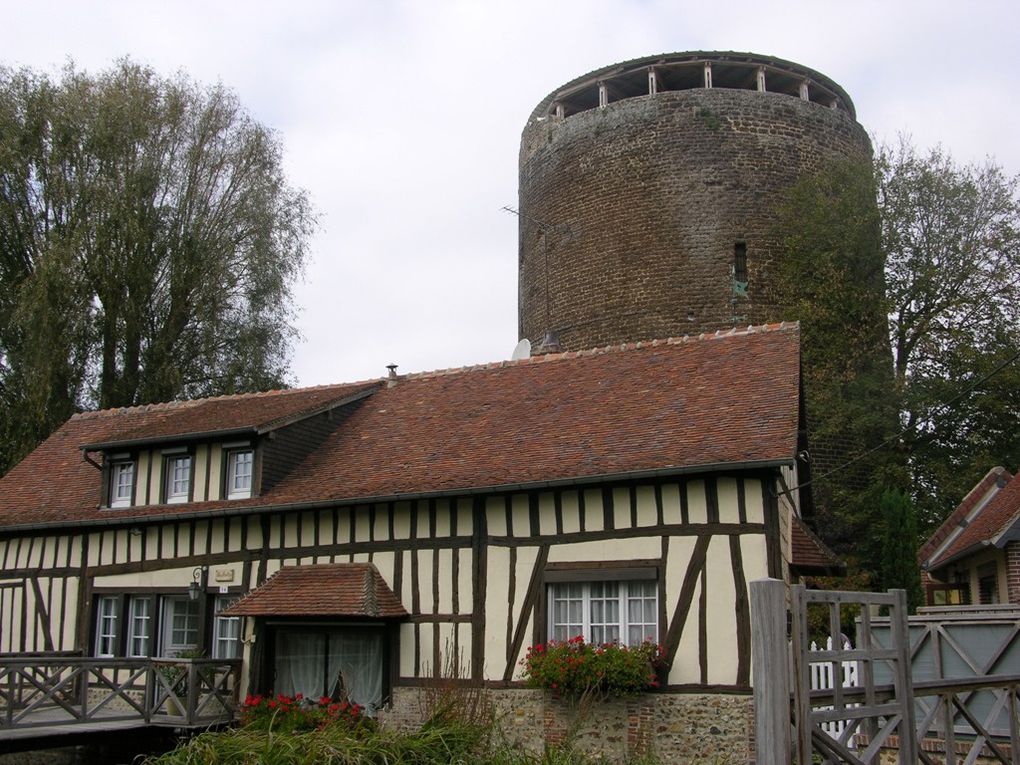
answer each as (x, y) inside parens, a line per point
(823, 677)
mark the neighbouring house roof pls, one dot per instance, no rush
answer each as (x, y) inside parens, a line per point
(332, 589)
(810, 555)
(666, 406)
(987, 516)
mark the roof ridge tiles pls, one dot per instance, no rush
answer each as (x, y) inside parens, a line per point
(603, 350)
(185, 403)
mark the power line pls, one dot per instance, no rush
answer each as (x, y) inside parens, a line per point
(904, 431)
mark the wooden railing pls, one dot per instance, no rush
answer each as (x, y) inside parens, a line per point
(56, 690)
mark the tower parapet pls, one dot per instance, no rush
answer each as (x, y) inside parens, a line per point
(649, 191)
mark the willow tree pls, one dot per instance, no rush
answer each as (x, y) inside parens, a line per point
(149, 242)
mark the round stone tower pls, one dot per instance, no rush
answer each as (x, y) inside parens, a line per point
(648, 192)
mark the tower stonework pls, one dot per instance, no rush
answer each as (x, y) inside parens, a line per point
(649, 191)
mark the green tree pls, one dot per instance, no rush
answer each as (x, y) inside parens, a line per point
(830, 278)
(148, 245)
(951, 238)
(941, 241)
(898, 566)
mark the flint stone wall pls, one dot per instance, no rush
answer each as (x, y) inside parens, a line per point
(679, 729)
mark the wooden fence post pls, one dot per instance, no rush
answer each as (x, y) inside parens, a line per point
(771, 672)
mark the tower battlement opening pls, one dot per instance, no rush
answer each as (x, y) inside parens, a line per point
(651, 75)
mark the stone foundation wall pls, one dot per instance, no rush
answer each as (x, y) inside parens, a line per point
(679, 729)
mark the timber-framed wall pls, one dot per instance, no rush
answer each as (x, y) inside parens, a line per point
(470, 570)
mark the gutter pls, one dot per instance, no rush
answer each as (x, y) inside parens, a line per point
(345, 502)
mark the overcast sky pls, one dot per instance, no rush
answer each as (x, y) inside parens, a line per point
(402, 121)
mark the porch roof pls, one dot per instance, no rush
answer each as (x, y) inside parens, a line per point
(332, 589)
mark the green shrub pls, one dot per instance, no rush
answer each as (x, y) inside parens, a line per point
(574, 667)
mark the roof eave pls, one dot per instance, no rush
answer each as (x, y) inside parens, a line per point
(634, 475)
(967, 551)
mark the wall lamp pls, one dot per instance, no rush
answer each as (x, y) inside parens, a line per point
(198, 577)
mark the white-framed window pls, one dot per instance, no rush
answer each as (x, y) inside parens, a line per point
(122, 483)
(239, 473)
(106, 625)
(178, 478)
(180, 625)
(605, 611)
(139, 626)
(226, 630)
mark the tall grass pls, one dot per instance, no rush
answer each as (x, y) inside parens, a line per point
(446, 743)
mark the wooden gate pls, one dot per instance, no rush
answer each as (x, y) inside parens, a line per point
(899, 704)
(878, 719)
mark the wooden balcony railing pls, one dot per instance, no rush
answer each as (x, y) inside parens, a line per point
(57, 690)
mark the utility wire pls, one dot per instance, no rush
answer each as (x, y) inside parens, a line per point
(905, 430)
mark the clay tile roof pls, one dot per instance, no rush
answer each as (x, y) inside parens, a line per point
(333, 589)
(183, 419)
(992, 520)
(810, 554)
(663, 406)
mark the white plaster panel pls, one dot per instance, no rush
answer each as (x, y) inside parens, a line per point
(201, 465)
(529, 631)
(594, 519)
(109, 547)
(722, 622)
(343, 523)
(621, 508)
(443, 510)
(402, 520)
(447, 654)
(465, 593)
(307, 529)
(405, 594)
(445, 581)
(497, 594)
(407, 637)
(272, 566)
(685, 665)
(215, 471)
(93, 549)
(647, 512)
(382, 522)
(522, 578)
(546, 514)
(170, 577)
(70, 595)
(422, 531)
(755, 557)
(495, 516)
(147, 481)
(464, 648)
(521, 515)
(466, 518)
(360, 558)
(384, 562)
(607, 549)
(671, 503)
(425, 581)
(201, 537)
(729, 511)
(426, 640)
(571, 512)
(697, 510)
(361, 523)
(753, 501)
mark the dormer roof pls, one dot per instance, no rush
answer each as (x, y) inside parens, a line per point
(218, 417)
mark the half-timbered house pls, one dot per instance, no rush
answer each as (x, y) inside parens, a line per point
(379, 533)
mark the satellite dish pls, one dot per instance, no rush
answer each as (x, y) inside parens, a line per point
(522, 351)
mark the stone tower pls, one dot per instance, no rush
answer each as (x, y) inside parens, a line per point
(649, 194)
(648, 191)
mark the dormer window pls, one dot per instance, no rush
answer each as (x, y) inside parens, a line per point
(122, 483)
(178, 478)
(239, 473)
